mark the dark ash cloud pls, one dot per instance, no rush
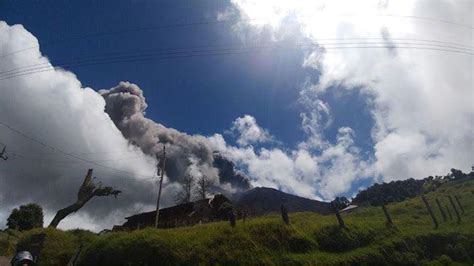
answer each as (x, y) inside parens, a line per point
(186, 154)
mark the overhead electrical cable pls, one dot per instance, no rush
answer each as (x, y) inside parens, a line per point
(66, 153)
(160, 55)
(319, 42)
(207, 23)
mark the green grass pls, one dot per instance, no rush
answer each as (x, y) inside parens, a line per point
(309, 239)
(8, 241)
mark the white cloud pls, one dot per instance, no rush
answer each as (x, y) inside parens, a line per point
(421, 100)
(54, 108)
(249, 132)
(301, 171)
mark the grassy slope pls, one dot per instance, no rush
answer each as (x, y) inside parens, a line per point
(8, 241)
(309, 239)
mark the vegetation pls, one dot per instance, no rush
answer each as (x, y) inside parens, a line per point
(59, 246)
(8, 240)
(203, 185)
(396, 191)
(26, 217)
(185, 195)
(308, 239)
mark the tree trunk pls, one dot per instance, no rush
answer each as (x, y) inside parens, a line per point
(62, 213)
(86, 192)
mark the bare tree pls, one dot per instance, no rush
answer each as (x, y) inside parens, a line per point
(184, 196)
(86, 192)
(203, 185)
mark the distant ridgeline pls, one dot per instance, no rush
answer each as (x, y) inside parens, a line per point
(396, 191)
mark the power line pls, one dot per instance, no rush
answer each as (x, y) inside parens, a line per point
(22, 156)
(66, 153)
(320, 42)
(231, 51)
(431, 19)
(77, 153)
(68, 163)
(25, 174)
(206, 23)
(138, 58)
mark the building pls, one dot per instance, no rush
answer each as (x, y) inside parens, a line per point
(349, 208)
(201, 211)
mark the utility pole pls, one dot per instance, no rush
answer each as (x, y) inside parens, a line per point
(160, 170)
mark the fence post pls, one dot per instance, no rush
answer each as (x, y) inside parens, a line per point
(455, 209)
(339, 217)
(340, 220)
(459, 203)
(430, 211)
(441, 210)
(284, 214)
(232, 218)
(449, 213)
(387, 215)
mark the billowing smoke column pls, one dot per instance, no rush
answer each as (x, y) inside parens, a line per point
(186, 154)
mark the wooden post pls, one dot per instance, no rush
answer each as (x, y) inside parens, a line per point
(284, 214)
(459, 203)
(339, 217)
(430, 211)
(441, 210)
(340, 220)
(232, 218)
(455, 209)
(387, 215)
(161, 184)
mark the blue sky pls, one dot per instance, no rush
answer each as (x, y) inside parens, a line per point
(200, 95)
(362, 104)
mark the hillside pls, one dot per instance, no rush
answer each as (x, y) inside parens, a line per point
(268, 200)
(310, 238)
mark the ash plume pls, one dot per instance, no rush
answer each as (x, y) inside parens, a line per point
(126, 106)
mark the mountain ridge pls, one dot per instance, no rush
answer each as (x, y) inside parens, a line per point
(262, 200)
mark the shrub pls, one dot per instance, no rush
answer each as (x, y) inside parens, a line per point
(7, 246)
(335, 239)
(144, 247)
(58, 246)
(274, 236)
(26, 217)
(299, 244)
(445, 260)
